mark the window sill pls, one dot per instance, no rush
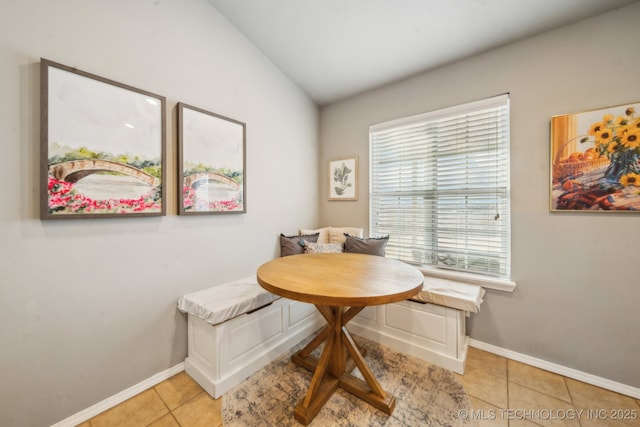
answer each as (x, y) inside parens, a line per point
(485, 282)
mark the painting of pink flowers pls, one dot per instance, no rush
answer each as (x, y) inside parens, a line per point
(103, 146)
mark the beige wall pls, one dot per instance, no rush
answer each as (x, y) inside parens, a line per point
(578, 291)
(87, 308)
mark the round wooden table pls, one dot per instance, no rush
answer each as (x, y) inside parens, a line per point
(340, 286)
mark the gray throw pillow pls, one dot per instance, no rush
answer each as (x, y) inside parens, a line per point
(290, 245)
(370, 246)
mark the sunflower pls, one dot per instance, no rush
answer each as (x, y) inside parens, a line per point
(612, 147)
(621, 121)
(607, 118)
(624, 129)
(630, 111)
(604, 136)
(631, 138)
(595, 128)
(630, 179)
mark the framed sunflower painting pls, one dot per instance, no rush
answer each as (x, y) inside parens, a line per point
(595, 160)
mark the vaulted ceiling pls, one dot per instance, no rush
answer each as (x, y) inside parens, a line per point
(336, 48)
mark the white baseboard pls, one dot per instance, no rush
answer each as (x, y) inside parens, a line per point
(559, 369)
(118, 398)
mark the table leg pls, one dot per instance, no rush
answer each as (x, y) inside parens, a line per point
(369, 390)
(339, 357)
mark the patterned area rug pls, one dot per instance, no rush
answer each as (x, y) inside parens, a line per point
(426, 395)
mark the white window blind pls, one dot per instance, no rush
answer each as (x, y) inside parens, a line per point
(440, 187)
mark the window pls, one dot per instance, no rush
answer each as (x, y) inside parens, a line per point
(440, 188)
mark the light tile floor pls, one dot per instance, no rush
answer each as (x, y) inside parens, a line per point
(503, 393)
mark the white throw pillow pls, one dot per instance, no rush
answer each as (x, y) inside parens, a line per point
(323, 248)
(322, 238)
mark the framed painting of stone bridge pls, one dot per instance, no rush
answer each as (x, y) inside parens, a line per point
(103, 146)
(211, 163)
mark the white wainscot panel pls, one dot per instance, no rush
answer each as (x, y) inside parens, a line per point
(431, 332)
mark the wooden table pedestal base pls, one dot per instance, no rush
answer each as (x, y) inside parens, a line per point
(339, 357)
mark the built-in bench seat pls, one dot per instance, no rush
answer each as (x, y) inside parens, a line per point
(224, 302)
(236, 328)
(447, 293)
(431, 325)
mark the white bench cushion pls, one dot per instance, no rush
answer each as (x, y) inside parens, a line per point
(461, 296)
(223, 302)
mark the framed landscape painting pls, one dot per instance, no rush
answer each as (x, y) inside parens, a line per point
(211, 163)
(102, 147)
(343, 179)
(595, 160)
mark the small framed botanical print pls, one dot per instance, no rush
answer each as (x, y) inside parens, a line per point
(343, 179)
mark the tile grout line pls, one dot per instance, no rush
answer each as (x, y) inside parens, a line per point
(175, 419)
(573, 403)
(184, 403)
(187, 401)
(163, 402)
(543, 393)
